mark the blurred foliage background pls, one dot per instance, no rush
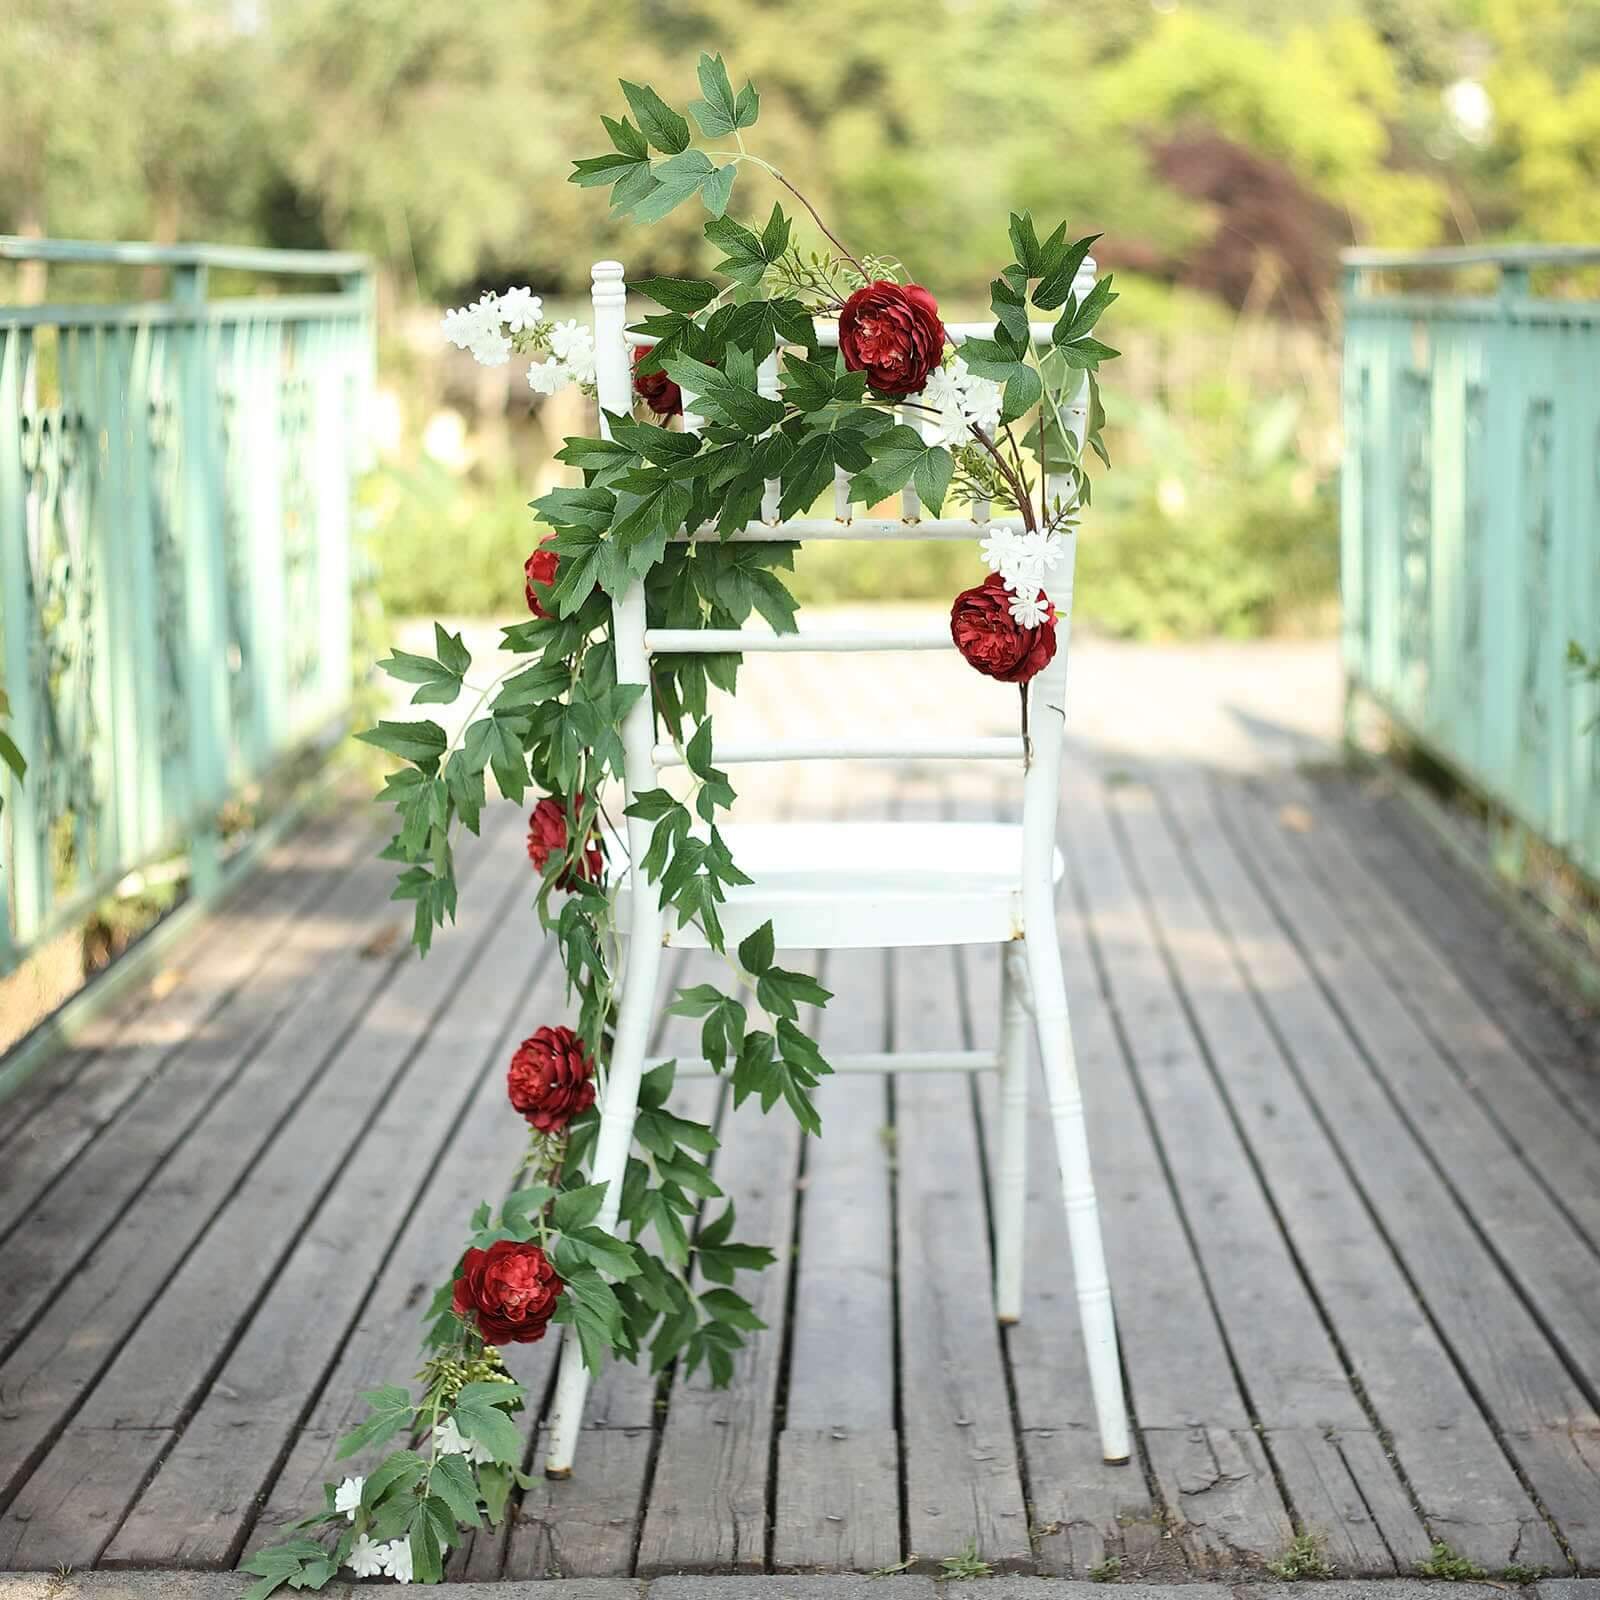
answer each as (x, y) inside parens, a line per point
(1227, 149)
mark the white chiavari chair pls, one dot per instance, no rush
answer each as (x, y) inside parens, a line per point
(843, 885)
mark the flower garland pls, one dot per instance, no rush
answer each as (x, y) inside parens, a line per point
(990, 426)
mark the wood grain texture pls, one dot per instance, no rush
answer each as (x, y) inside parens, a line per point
(1390, 1072)
(1282, 1059)
(209, 1487)
(838, 1496)
(963, 1481)
(99, 1254)
(164, 1366)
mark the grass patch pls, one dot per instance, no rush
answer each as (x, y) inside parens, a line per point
(1305, 1558)
(1445, 1563)
(1517, 1573)
(969, 1564)
(1107, 1571)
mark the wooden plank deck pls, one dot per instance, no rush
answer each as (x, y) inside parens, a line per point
(1346, 1151)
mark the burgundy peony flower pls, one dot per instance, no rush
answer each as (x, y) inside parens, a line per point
(510, 1290)
(551, 1079)
(547, 836)
(992, 640)
(892, 332)
(656, 389)
(540, 568)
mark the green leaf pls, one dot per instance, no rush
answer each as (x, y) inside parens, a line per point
(1024, 390)
(478, 1416)
(661, 125)
(1056, 285)
(421, 743)
(389, 1410)
(756, 952)
(687, 295)
(719, 112)
(395, 1474)
(746, 256)
(494, 1485)
(675, 181)
(454, 1483)
(577, 1208)
(12, 756)
(719, 398)
(717, 189)
(899, 457)
(591, 1247)
(627, 138)
(1079, 319)
(1026, 244)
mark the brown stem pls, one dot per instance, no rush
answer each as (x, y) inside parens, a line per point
(1027, 743)
(828, 233)
(1018, 488)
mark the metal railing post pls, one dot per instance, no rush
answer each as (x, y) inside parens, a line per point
(204, 596)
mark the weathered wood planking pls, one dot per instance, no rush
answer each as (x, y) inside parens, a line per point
(210, 1484)
(383, 1344)
(1556, 1148)
(1556, 1035)
(1299, 1388)
(297, 870)
(587, 1526)
(708, 1498)
(963, 1480)
(1199, 1435)
(103, 1249)
(240, 959)
(1082, 1509)
(1492, 1216)
(164, 1365)
(1465, 1496)
(838, 1496)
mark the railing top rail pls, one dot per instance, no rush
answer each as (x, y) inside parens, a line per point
(241, 258)
(1503, 255)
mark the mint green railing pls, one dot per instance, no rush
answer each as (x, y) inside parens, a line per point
(175, 514)
(1471, 524)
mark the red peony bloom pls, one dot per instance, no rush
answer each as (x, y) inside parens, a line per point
(551, 1079)
(892, 332)
(510, 1290)
(547, 836)
(656, 389)
(992, 640)
(540, 568)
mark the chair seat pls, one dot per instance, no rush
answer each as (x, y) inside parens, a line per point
(861, 885)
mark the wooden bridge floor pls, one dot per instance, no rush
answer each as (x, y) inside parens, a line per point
(1348, 1153)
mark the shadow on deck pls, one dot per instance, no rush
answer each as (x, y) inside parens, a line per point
(1348, 1152)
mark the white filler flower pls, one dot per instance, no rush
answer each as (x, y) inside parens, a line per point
(347, 1497)
(1030, 610)
(366, 1558)
(449, 1440)
(549, 377)
(397, 1560)
(521, 309)
(479, 328)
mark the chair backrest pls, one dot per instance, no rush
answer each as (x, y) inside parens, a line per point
(636, 643)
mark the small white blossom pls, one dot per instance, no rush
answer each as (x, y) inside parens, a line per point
(949, 428)
(980, 403)
(549, 377)
(397, 1560)
(347, 1497)
(999, 547)
(1030, 610)
(478, 328)
(366, 1559)
(449, 1440)
(943, 389)
(521, 309)
(573, 343)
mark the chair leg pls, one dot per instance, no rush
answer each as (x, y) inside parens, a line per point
(617, 1112)
(1077, 1187)
(1012, 1182)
